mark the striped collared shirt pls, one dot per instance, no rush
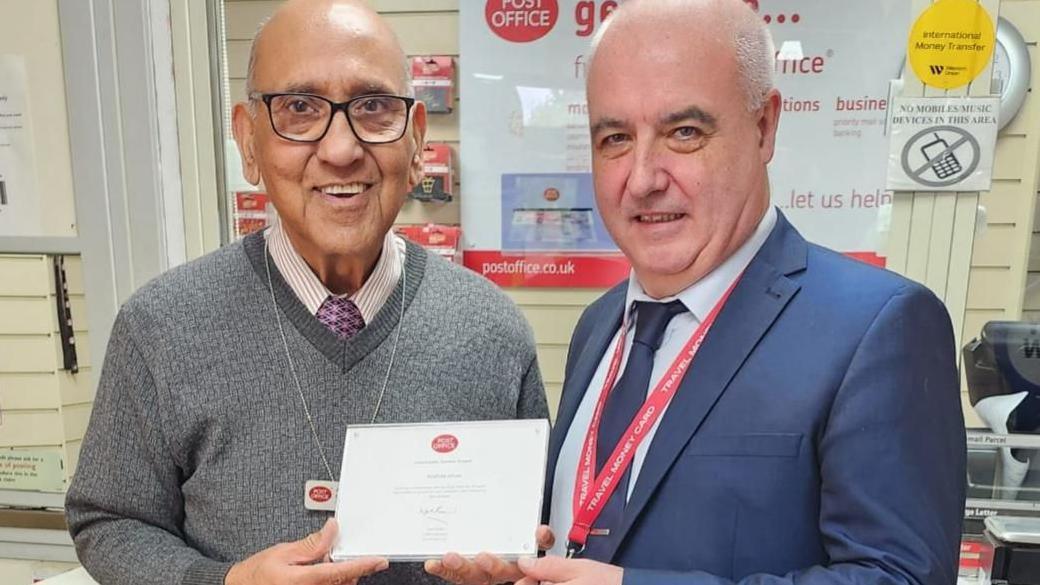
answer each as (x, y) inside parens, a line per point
(312, 292)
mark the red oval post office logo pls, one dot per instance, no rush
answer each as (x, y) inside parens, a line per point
(444, 443)
(521, 21)
(320, 494)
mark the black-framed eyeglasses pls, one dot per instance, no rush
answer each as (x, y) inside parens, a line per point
(304, 117)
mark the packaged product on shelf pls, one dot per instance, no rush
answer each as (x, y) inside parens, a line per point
(444, 240)
(433, 80)
(437, 184)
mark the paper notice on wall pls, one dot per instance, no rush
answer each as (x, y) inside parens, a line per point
(31, 470)
(19, 200)
(942, 144)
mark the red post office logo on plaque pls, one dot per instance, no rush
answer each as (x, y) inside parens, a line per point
(320, 494)
(445, 443)
(521, 21)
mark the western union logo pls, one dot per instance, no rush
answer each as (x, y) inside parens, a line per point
(962, 31)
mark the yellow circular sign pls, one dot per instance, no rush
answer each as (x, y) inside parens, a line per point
(951, 43)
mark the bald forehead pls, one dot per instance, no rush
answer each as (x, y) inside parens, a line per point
(344, 26)
(676, 22)
(711, 13)
(347, 16)
(692, 34)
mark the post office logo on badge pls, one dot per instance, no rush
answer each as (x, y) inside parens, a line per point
(445, 443)
(320, 494)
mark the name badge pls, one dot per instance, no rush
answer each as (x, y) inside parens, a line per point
(320, 495)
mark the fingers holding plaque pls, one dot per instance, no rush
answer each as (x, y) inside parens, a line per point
(413, 492)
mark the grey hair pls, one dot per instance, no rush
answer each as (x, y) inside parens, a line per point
(251, 68)
(406, 66)
(752, 43)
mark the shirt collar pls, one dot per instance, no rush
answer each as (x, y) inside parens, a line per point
(702, 296)
(369, 299)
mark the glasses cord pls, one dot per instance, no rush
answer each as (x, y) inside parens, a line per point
(292, 364)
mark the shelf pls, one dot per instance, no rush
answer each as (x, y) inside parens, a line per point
(980, 438)
(32, 499)
(37, 544)
(39, 245)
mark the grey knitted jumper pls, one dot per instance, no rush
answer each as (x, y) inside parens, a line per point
(198, 447)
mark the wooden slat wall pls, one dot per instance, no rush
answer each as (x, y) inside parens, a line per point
(1009, 235)
(41, 406)
(1005, 267)
(1023, 177)
(934, 235)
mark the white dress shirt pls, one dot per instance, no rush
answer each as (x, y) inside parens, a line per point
(700, 298)
(369, 299)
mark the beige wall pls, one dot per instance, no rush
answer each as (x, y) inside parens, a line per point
(973, 249)
(30, 28)
(42, 407)
(996, 290)
(1019, 169)
(1004, 280)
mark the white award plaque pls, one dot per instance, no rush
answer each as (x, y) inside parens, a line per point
(417, 491)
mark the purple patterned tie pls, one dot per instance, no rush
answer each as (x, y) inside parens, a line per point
(341, 316)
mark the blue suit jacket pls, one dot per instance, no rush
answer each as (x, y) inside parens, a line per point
(817, 438)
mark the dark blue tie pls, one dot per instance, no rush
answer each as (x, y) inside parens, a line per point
(623, 403)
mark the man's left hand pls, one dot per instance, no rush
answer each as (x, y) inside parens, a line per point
(561, 571)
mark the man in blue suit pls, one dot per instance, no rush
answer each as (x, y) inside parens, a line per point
(784, 414)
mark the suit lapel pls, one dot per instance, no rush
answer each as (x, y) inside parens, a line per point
(759, 298)
(576, 383)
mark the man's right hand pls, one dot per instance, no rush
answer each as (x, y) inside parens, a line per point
(484, 569)
(303, 562)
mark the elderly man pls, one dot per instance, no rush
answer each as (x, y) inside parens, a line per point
(229, 382)
(815, 436)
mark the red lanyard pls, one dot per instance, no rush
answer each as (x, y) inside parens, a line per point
(591, 494)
